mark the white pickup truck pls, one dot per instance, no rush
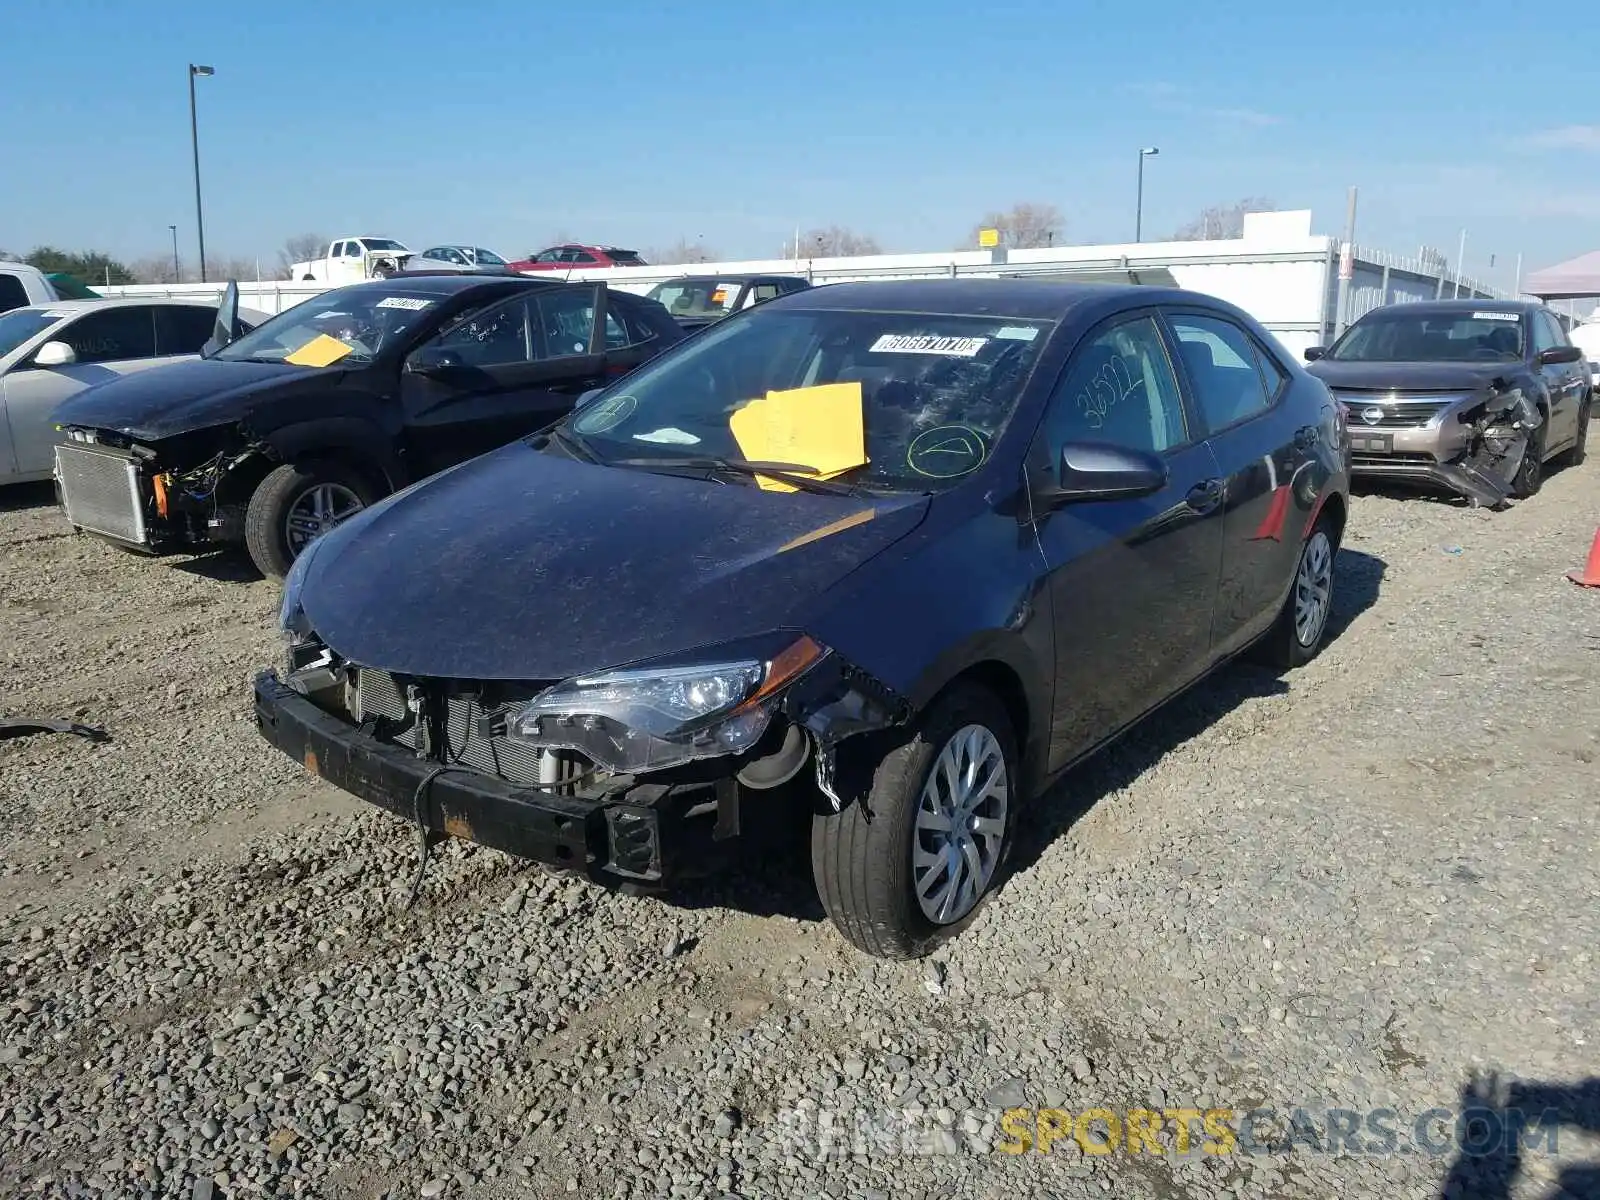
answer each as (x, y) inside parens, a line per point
(354, 259)
(22, 285)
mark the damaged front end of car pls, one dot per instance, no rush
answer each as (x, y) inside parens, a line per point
(183, 492)
(1502, 430)
(633, 777)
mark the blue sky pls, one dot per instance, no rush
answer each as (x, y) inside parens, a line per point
(507, 122)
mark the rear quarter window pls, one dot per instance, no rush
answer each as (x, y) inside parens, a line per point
(12, 293)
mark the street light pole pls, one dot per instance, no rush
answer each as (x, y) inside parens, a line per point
(177, 271)
(1138, 209)
(194, 138)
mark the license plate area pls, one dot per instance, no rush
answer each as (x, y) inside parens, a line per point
(1372, 443)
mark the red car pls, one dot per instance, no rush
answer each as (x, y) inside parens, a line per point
(565, 258)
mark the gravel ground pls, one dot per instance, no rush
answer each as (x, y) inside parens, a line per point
(1358, 887)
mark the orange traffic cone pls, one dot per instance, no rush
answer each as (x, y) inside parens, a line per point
(1591, 570)
(1272, 524)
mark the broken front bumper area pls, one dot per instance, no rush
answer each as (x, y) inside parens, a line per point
(624, 833)
(1474, 452)
(110, 487)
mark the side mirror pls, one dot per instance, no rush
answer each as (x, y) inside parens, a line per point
(1099, 471)
(55, 354)
(431, 360)
(1559, 354)
(1315, 352)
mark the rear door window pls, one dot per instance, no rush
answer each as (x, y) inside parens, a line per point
(1223, 368)
(183, 328)
(566, 322)
(112, 334)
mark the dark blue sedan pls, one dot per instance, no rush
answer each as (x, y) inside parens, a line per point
(889, 557)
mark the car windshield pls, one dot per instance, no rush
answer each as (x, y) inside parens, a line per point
(345, 326)
(1479, 335)
(935, 391)
(20, 324)
(489, 257)
(381, 244)
(697, 297)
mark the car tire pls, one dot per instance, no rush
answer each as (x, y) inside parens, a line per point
(308, 278)
(1579, 450)
(1297, 636)
(1530, 474)
(297, 485)
(862, 858)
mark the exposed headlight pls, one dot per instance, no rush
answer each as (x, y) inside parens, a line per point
(652, 718)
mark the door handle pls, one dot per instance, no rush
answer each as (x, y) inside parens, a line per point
(1203, 497)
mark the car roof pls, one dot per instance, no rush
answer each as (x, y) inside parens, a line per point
(727, 277)
(451, 283)
(1028, 299)
(76, 306)
(1425, 308)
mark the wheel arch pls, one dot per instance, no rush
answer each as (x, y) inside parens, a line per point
(993, 664)
(351, 439)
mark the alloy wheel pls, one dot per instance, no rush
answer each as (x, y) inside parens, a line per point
(960, 825)
(1313, 589)
(315, 511)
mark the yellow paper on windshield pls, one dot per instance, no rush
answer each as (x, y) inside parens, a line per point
(819, 427)
(320, 351)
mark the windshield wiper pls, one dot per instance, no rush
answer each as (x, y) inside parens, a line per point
(573, 442)
(795, 474)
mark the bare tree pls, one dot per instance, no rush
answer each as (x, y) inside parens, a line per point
(1024, 226)
(220, 270)
(302, 247)
(837, 242)
(1221, 220)
(682, 251)
(154, 268)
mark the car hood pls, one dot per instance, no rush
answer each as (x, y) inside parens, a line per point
(1410, 377)
(522, 565)
(169, 400)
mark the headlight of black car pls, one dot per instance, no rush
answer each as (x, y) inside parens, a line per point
(651, 718)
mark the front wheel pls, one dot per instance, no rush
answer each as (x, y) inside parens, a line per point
(1530, 474)
(907, 867)
(296, 503)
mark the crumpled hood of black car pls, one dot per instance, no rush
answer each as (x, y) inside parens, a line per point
(525, 565)
(165, 401)
(1411, 377)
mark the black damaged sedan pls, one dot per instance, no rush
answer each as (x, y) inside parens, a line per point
(620, 646)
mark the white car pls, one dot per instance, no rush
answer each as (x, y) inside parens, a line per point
(49, 352)
(1586, 336)
(354, 259)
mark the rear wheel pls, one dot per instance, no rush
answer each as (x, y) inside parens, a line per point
(296, 503)
(1302, 626)
(907, 868)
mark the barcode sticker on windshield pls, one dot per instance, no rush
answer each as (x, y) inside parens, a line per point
(927, 343)
(1494, 316)
(406, 302)
(1017, 333)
